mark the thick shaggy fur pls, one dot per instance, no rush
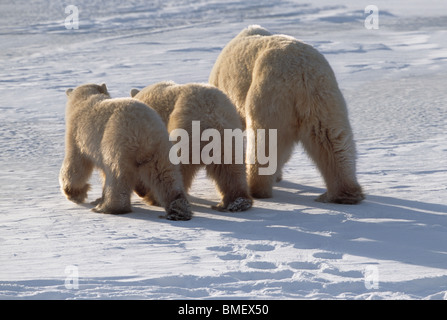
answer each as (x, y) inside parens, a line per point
(278, 82)
(178, 106)
(128, 142)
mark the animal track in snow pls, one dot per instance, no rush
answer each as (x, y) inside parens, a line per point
(300, 265)
(249, 251)
(264, 265)
(328, 255)
(260, 247)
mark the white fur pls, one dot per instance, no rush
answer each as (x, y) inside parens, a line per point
(278, 82)
(128, 142)
(180, 105)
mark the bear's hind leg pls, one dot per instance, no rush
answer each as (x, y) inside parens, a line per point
(232, 184)
(73, 177)
(189, 172)
(100, 200)
(143, 191)
(116, 193)
(333, 151)
(271, 120)
(164, 181)
(259, 182)
(260, 185)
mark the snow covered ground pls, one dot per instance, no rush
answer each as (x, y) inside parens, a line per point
(391, 246)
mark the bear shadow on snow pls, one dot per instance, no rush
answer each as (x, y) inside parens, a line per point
(401, 230)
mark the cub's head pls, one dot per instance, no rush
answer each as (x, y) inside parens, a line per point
(86, 90)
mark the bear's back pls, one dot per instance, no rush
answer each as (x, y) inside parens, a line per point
(130, 113)
(133, 128)
(160, 97)
(256, 55)
(207, 104)
(190, 102)
(277, 51)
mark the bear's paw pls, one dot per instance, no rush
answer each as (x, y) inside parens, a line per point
(238, 205)
(179, 210)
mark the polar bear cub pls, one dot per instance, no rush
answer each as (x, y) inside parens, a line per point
(183, 106)
(128, 142)
(280, 83)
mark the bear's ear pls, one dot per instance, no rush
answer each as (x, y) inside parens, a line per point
(103, 89)
(68, 92)
(134, 92)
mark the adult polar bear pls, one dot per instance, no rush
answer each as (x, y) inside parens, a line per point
(278, 82)
(128, 142)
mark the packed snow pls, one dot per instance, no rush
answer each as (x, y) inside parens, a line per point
(391, 246)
